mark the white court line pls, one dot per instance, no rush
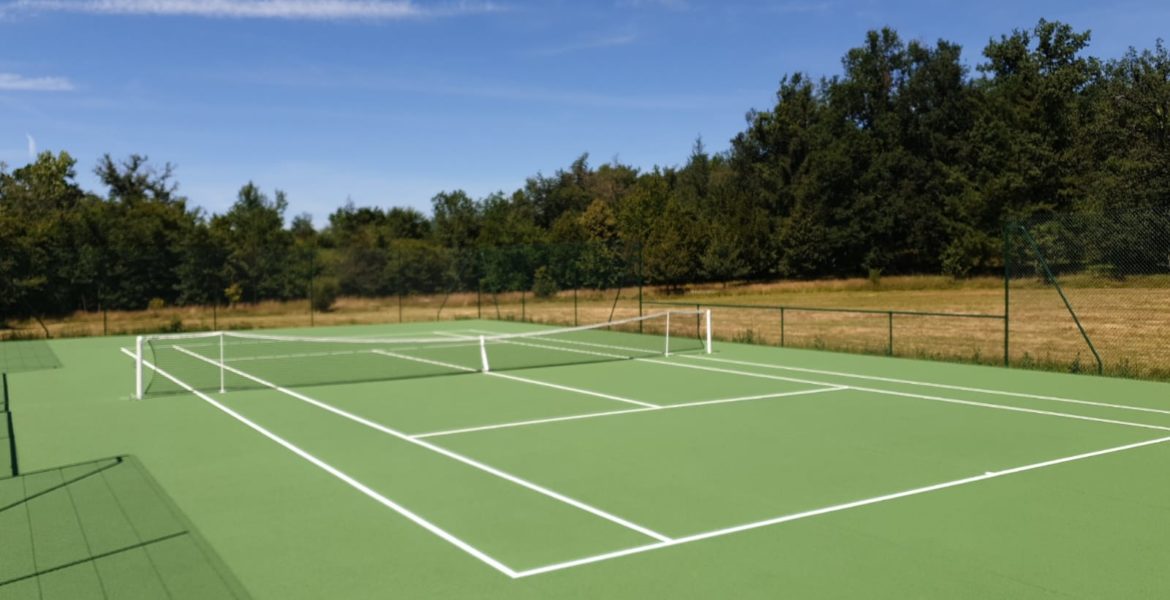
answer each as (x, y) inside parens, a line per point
(935, 385)
(516, 378)
(573, 389)
(448, 453)
(561, 349)
(1019, 409)
(350, 481)
(425, 361)
(643, 351)
(645, 548)
(904, 381)
(625, 412)
(455, 335)
(834, 508)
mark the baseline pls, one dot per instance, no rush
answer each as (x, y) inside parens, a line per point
(834, 508)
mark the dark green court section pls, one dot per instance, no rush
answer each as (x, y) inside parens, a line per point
(8, 459)
(29, 355)
(102, 529)
(8, 464)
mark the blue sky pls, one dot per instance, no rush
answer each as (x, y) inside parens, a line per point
(389, 102)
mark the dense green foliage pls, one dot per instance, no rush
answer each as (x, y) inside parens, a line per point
(907, 162)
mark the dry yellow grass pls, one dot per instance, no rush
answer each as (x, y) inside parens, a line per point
(1127, 321)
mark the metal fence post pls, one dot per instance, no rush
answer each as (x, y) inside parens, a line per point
(1007, 290)
(11, 430)
(639, 286)
(781, 326)
(1051, 278)
(890, 342)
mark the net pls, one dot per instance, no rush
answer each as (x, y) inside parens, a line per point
(223, 361)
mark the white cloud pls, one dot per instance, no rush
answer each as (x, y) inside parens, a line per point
(800, 7)
(32, 146)
(11, 82)
(256, 9)
(668, 4)
(602, 42)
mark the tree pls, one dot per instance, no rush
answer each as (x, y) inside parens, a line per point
(42, 225)
(257, 243)
(456, 226)
(1032, 109)
(145, 230)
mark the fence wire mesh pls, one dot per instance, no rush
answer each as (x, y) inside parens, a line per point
(1075, 289)
(1091, 293)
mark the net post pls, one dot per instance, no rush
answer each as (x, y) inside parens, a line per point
(222, 387)
(483, 354)
(138, 368)
(708, 315)
(667, 333)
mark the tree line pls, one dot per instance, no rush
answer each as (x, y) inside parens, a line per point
(908, 161)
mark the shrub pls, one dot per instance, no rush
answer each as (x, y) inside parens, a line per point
(234, 293)
(175, 325)
(156, 304)
(543, 284)
(325, 291)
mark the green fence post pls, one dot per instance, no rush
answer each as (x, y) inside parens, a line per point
(890, 342)
(11, 431)
(1007, 291)
(1059, 290)
(639, 286)
(312, 276)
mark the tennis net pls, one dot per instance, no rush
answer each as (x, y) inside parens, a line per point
(231, 360)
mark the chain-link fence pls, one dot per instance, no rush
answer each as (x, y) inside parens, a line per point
(1081, 293)
(120, 290)
(1091, 293)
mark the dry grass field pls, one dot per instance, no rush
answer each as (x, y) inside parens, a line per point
(1128, 321)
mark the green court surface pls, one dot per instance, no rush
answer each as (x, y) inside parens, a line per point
(748, 472)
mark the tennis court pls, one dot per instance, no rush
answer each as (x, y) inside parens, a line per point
(486, 459)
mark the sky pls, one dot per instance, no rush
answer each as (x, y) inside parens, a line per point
(388, 102)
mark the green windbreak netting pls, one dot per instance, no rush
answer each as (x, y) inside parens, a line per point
(7, 446)
(27, 355)
(102, 529)
(233, 361)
